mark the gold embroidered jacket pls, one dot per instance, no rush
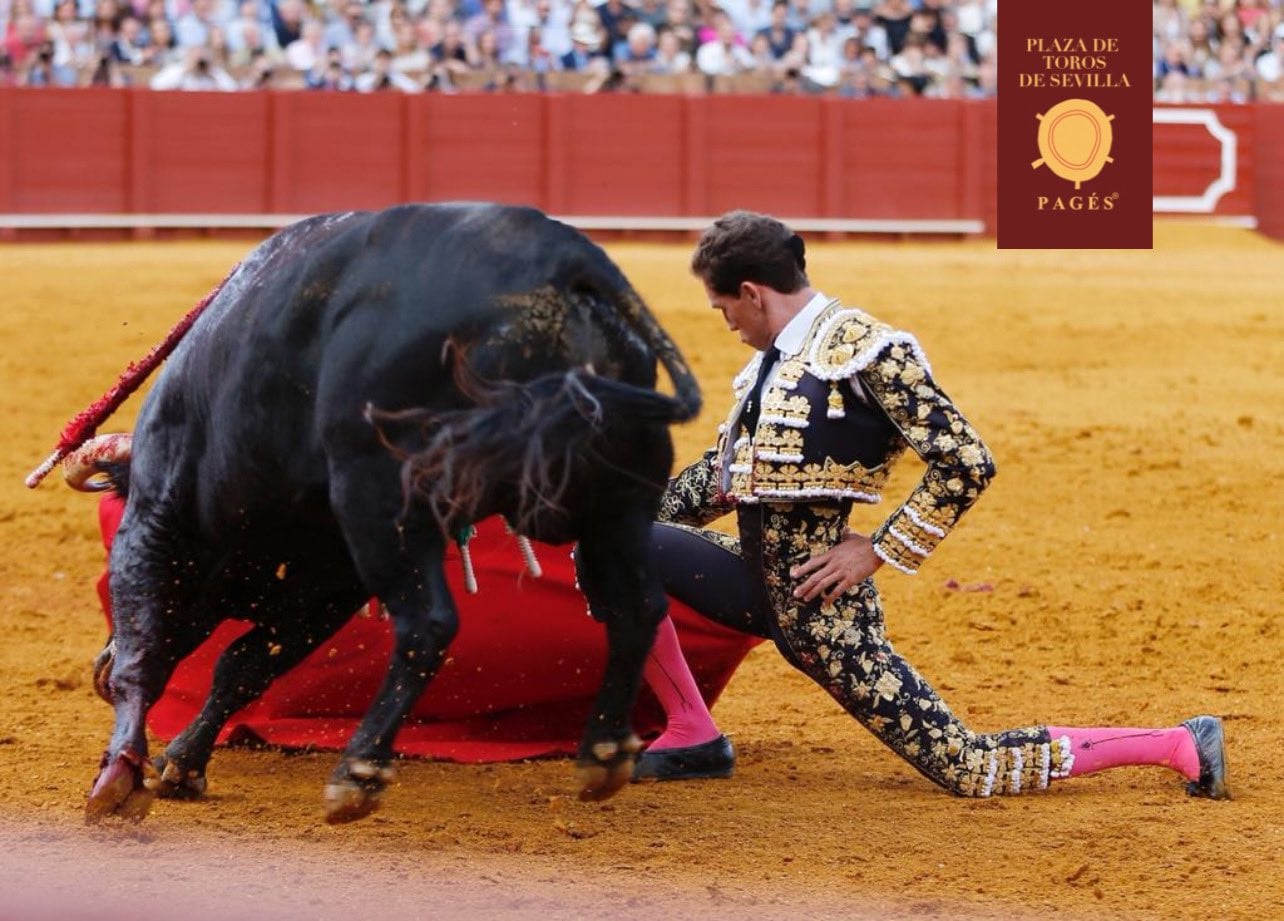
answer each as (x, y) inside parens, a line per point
(834, 419)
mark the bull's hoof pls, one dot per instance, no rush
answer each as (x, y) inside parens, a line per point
(102, 670)
(355, 789)
(607, 767)
(125, 787)
(176, 781)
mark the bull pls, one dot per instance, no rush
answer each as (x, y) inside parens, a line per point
(363, 386)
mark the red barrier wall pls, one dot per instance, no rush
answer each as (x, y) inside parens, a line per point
(1270, 171)
(121, 151)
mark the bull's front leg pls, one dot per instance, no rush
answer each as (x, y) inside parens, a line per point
(151, 636)
(619, 576)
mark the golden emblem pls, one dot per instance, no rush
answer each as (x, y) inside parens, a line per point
(1074, 140)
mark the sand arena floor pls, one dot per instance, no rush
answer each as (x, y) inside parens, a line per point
(1131, 544)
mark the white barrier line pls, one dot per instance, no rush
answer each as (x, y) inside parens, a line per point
(583, 222)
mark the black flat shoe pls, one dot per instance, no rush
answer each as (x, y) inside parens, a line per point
(706, 761)
(1210, 743)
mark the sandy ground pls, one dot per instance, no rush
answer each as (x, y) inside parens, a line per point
(1130, 544)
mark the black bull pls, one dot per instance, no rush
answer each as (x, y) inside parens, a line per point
(361, 387)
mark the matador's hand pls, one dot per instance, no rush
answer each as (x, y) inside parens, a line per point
(837, 569)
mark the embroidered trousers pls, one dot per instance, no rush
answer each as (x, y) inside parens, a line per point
(843, 647)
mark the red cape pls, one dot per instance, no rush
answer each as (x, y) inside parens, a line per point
(518, 682)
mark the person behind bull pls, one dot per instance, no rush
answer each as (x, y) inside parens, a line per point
(831, 399)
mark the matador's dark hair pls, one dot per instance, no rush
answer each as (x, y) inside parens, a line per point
(745, 246)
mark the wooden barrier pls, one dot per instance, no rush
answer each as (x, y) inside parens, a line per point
(628, 157)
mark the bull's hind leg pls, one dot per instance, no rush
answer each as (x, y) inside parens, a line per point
(400, 563)
(621, 581)
(154, 629)
(309, 608)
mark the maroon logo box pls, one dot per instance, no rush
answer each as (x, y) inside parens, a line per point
(1074, 149)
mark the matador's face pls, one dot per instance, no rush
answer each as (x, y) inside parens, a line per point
(744, 314)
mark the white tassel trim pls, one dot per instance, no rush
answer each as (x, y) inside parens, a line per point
(783, 420)
(1018, 762)
(528, 556)
(817, 492)
(991, 772)
(1067, 759)
(470, 574)
(892, 563)
(907, 543)
(740, 468)
(862, 359)
(1045, 760)
(781, 458)
(929, 528)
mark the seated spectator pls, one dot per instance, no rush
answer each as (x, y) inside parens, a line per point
(331, 74)
(1201, 47)
(540, 60)
(341, 30)
(247, 30)
(638, 52)
(678, 19)
(40, 69)
(487, 60)
(909, 69)
(359, 54)
(382, 77)
(129, 46)
(161, 48)
(670, 56)
(288, 17)
(615, 18)
(651, 11)
(1173, 88)
(894, 18)
(24, 34)
(304, 52)
(871, 34)
(259, 71)
(749, 16)
(1270, 66)
(254, 44)
(193, 71)
(553, 22)
(494, 19)
(586, 54)
(780, 37)
(824, 51)
(192, 30)
(725, 54)
(925, 29)
(106, 21)
(73, 46)
(412, 54)
(453, 53)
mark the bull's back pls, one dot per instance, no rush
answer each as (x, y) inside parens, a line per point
(339, 312)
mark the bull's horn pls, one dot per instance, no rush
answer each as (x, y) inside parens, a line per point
(81, 468)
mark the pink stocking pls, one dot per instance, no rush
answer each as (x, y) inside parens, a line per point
(1098, 749)
(688, 721)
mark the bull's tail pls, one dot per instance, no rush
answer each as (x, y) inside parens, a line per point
(613, 290)
(686, 390)
(528, 437)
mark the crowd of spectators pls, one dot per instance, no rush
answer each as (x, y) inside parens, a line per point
(1205, 50)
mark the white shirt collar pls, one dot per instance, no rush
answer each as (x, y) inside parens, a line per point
(790, 340)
